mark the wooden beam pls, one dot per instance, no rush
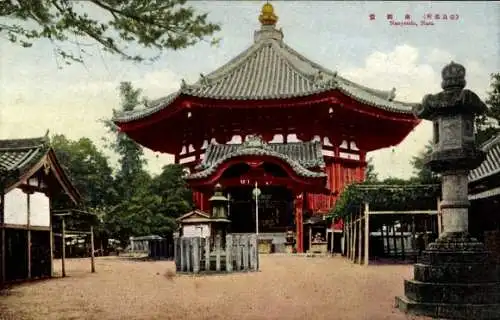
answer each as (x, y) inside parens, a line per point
(63, 247)
(92, 262)
(367, 234)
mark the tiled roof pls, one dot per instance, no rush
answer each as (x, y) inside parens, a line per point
(491, 165)
(270, 69)
(301, 156)
(20, 155)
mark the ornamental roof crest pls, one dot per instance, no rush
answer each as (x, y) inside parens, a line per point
(255, 141)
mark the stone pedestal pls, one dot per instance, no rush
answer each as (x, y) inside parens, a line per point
(454, 279)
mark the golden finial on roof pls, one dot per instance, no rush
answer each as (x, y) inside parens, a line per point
(267, 16)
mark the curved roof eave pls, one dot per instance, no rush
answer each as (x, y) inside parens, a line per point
(294, 165)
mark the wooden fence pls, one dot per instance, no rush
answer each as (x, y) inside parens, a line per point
(197, 254)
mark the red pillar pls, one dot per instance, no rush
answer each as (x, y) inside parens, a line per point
(299, 223)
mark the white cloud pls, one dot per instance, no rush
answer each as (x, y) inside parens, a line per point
(413, 76)
(75, 109)
(439, 56)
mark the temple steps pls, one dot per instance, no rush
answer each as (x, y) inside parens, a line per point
(449, 310)
(456, 272)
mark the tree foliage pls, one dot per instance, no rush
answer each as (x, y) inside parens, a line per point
(422, 173)
(131, 155)
(488, 125)
(390, 194)
(87, 168)
(370, 174)
(158, 24)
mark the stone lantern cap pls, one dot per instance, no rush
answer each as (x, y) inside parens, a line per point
(218, 195)
(453, 100)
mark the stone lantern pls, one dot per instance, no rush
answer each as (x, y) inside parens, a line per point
(454, 278)
(219, 221)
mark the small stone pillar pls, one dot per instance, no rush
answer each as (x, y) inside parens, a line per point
(455, 278)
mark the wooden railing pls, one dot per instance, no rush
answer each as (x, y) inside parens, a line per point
(236, 253)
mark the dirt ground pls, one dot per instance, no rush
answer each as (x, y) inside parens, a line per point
(287, 287)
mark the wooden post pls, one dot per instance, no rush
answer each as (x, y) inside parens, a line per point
(189, 254)
(439, 217)
(28, 234)
(177, 253)
(367, 234)
(51, 243)
(402, 238)
(217, 252)
(310, 237)
(92, 262)
(238, 252)
(2, 233)
(207, 254)
(387, 239)
(352, 236)
(353, 246)
(245, 252)
(413, 238)
(394, 242)
(183, 255)
(2, 266)
(63, 247)
(195, 243)
(346, 240)
(333, 241)
(229, 251)
(360, 238)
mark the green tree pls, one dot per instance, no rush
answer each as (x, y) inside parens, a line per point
(488, 125)
(370, 174)
(113, 25)
(152, 206)
(131, 156)
(170, 185)
(87, 168)
(422, 173)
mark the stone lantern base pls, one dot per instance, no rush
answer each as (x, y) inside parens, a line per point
(454, 279)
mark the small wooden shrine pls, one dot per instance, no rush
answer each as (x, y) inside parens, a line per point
(30, 176)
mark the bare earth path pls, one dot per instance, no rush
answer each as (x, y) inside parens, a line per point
(288, 287)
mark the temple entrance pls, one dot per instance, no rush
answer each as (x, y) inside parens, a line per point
(275, 214)
(275, 209)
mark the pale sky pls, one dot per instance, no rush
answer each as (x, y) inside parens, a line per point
(37, 95)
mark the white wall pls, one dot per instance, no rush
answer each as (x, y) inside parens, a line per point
(16, 207)
(39, 210)
(194, 230)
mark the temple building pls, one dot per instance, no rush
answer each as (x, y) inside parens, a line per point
(30, 177)
(273, 117)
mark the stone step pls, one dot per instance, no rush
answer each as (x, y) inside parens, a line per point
(449, 311)
(477, 293)
(456, 272)
(445, 257)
